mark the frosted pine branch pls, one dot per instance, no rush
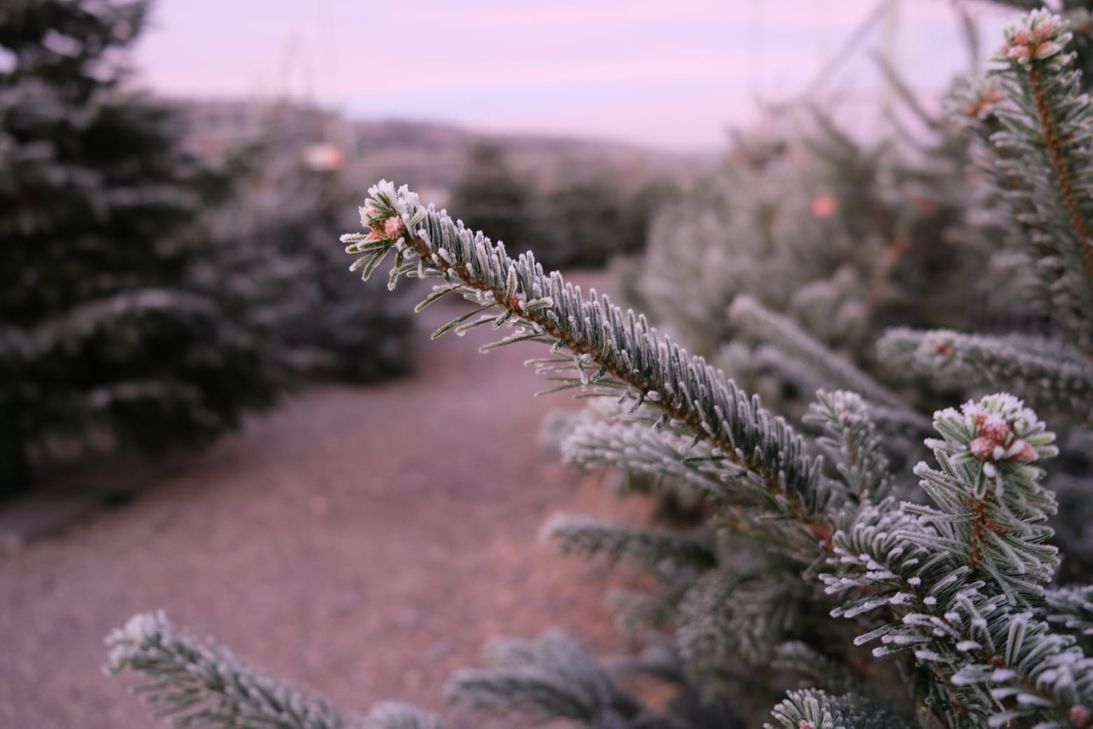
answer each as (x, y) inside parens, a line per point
(669, 554)
(831, 367)
(397, 715)
(1045, 372)
(1046, 161)
(197, 684)
(958, 578)
(1070, 609)
(811, 709)
(990, 509)
(989, 660)
(551, 677)
(726, 620)
(596, 442)
(609, 351)
(850, 438)
(822, 671)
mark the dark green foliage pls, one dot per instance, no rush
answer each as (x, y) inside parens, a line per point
(555, 677)
(582, 220)
(105, 332)
(202, 684)
(594, 220)
(274, 265)
(493, 196)
(812, 709)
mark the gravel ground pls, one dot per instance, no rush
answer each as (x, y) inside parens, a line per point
(363, 542)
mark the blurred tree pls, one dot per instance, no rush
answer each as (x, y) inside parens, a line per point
(277, 268)
(593, 221)
(356, 338)
(103, 334)
(590, 218)
(491, 196)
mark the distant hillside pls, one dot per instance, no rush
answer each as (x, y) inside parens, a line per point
(426, 155)
(434, 155)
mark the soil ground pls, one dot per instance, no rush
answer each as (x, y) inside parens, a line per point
(360, 541)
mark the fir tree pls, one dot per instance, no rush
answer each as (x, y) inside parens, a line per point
(273, 265)
(492, 196)
(596, 220)
(103, 332)
(828, 584)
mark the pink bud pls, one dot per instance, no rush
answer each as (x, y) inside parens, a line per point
(1018, 53)
(1045, 50)
(982, 448)
(369, 213)
(995, 428)
(393, 228)
(1026, 454)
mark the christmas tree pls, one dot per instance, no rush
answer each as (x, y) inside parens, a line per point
(494, 196)
(829, 581)
(273, 266)
(105, 337)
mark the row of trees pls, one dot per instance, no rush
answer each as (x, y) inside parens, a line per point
(148, 298)
(151, 296)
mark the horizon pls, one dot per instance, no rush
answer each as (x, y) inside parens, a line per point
(646, 72)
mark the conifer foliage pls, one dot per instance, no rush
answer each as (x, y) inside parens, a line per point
(102, 331)
(828, 585)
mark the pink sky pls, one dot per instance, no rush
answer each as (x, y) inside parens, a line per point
(670, 73)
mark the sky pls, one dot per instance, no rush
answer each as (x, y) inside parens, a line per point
(673, 74)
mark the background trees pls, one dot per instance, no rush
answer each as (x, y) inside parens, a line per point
(151, 294)
(105, 333)
(577, 219)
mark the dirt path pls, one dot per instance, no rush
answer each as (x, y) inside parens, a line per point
(363, 541)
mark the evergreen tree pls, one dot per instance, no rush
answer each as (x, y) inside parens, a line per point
(595, 221)
(492, 196)
(581, 220)
(102, 331)
(827, 583)
(275, 269)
